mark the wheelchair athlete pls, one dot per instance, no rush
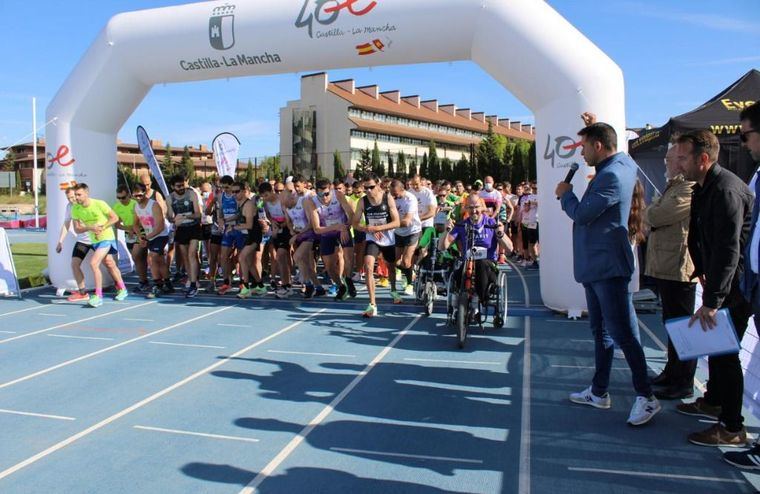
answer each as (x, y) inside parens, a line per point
(489, 234)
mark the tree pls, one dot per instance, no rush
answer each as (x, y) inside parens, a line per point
(250, 178)
(167, 165)
(377, 165)
(413, 168)
(401, 164)
(462, 169)
(338, 171)
(424, 171)
(532, 171)
(391, 171)
(364, 167)
(490, 153)
(447, 171)
(187, 167)
(508, 159)
(433, 165)
(9, 162)
(521, 161)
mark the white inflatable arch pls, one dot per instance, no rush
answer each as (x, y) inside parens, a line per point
(524, 44)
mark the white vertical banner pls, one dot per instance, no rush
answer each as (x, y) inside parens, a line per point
(226, 147)
(8, 279)
(147, 150)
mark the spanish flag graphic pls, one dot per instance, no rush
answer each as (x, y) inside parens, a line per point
(369, 48)
(66, 185)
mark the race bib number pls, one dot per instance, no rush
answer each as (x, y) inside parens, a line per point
(477, 253)
(334, 221)
(377, 222)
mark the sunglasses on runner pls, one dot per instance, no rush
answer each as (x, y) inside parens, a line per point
(279, 191)
(323, 192)
(370, 187)
(138, 195)
(121, 198)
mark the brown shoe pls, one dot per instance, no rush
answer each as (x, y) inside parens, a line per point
(699, 408)
(717, 435)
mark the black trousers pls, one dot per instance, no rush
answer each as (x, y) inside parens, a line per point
(726, 385)
(677, 301)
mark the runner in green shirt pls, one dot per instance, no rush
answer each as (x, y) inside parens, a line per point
(97, 218)
(124, 207)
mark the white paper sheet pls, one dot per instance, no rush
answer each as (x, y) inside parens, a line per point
(692, 342)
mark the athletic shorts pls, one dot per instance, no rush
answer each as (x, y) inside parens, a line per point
(157, 245)
(216, 239)
(426, 236)
(206, 232)
(254, 237)
(359, 237)
(329, 244)
(308, 236)
(235, 238)
(80, 250)
(407, 240)
(530, 236)
(374, 250)
(130, 246)
(185, 234)
(514, 228)
(282, 239)
(107, 244)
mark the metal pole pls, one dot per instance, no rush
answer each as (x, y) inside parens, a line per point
(34, 172)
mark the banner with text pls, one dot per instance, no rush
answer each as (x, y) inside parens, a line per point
(147, 150)
(226, 147)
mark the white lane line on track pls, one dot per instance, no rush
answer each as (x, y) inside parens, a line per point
(473, 362)
(404, 455)
(524, 283)
(284, 352)
(108, 349)
(656, 475)
(72, 439)
(40, 415)
(234, 326)
(8, 332)
(49, 314)
(524, 467)
(59, 326)
(138, 320)
(22, 310)
(304, 433)
(559, 366)
(79, 337)
(700, 385)
(198, 434)
(185, 345)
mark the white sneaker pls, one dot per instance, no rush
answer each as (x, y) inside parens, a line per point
(357, 277)
(643, 410)
(409, 290)
(586, 397)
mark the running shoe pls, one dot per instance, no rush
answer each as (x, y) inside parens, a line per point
(77, 297)
(357, 277)
(370, 311)
(260, 290)
(191, 292)
(282, 292)
(142, 287)
(245, 292)
(308, 293)
(643, 410)
(383, 283)
(502, 259)
(320, 291)
(342, 293)
(95, 301)
(351, 288)
(121, 295)
(154, 292)
(223, 289)
(409, 290)
(586, 397)
(396, 297)
(332, 291)
(168, 287)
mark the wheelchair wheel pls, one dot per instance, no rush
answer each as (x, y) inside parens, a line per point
(462, 318)
(428, 297)
(502, 302)
(419, 287)
(451, 300)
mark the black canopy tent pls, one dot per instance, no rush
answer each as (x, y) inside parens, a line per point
(719, 115)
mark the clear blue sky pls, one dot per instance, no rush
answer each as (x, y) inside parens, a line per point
(675, 55)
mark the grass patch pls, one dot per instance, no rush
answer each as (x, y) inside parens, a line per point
(25, 199)
(30, 259)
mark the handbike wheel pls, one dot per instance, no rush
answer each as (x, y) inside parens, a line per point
(462, 318)
(429, 297)
(502, 306)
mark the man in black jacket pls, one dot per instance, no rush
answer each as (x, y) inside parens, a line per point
(721, 212)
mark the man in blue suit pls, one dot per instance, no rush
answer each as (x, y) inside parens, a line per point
(603, 263)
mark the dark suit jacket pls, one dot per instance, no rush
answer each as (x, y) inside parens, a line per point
(721, 213)
(601, 247)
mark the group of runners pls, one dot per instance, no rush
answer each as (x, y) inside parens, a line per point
(375, 230)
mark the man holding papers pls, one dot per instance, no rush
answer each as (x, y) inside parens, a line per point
(750, 137)
(721, 211)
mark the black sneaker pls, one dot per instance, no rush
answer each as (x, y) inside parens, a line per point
(142, 287)
(342, 292)
(177, 277)
(746, 460)
(154, 292)
(167, 288)
(308, 293)
(320, 291)
(191, 292)
(351, 288)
